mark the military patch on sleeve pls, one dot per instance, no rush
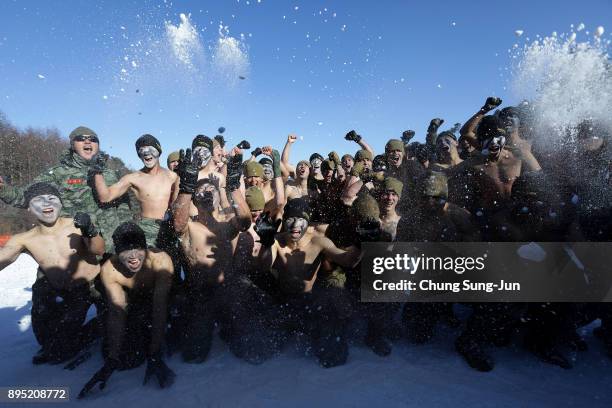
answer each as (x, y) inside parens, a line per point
(75, 181)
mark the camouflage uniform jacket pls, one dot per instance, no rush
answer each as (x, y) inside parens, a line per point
(70, 176)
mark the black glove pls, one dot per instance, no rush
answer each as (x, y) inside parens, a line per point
(98, 164)
(156, 366)
(256, 152)
(101, 376)
(266, 228)
(491, 103)
(187, 170)
(243, 145)
(407, 135)
(234, 171)
(434, 125)
(83, 222)
(221, 140)
(352, 135)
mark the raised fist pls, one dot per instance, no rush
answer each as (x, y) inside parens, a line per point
(243, 145)
(83, 222)
(435, 124)
(291, 138)
(256, 152)
(98, 164)
(407, 135)
(352, 135)
(491, 103)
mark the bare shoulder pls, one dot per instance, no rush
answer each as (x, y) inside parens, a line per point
(108, 270)
(321, 241)
(160, 261)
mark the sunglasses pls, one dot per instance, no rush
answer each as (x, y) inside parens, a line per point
(82, 138)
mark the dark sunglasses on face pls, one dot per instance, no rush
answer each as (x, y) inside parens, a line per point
(82, 138)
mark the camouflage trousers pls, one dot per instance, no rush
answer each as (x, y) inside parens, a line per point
(158, 233)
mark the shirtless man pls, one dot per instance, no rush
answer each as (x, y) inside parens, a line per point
(298, 186)
(137, 282)
(65, 250)
(153, 186)
(294, 256)
(435, 219)
(267, 175)
(491, 175)
(208, 242)
(447, 154)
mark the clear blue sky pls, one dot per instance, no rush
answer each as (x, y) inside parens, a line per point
(373, 66)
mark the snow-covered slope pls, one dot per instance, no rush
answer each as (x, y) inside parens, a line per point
(430, 375)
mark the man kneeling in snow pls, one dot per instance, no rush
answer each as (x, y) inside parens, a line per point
(65, 250)
(137, 281)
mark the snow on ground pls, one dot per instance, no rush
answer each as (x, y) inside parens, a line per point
(429, 375)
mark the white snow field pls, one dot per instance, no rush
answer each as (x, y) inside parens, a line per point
(429, 375)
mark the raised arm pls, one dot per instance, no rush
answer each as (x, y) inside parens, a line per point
(353, 136)
(348, 258)
(266, 229)
(242, 220)
(188, 175)
(468, 130)
(107, 194)
(432, 131)
(277, 181)
(11, 250)
(286, 167)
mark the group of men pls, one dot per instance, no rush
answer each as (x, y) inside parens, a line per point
(262, 249)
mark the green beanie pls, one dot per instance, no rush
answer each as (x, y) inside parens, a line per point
(81, 131)
(363, 154)
(436, 185)
(395, 144)
(328, 165)
(365, 207)
(255, 198)
(174, 156)
(393, 184)
(253, 169)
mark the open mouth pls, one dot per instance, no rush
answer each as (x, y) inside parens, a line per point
(395, 159)
(133, 263)
(148, 159)
(88, 149)
(48, 211)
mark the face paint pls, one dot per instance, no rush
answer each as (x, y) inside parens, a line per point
(296, 227)
(132, 259)
(203, 154)
(316, 165)
(206, 197)
(46, 208)
(493, 146)
(149, 156)
(444, 145)
(268, 171)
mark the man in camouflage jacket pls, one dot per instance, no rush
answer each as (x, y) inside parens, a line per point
(71, 178)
